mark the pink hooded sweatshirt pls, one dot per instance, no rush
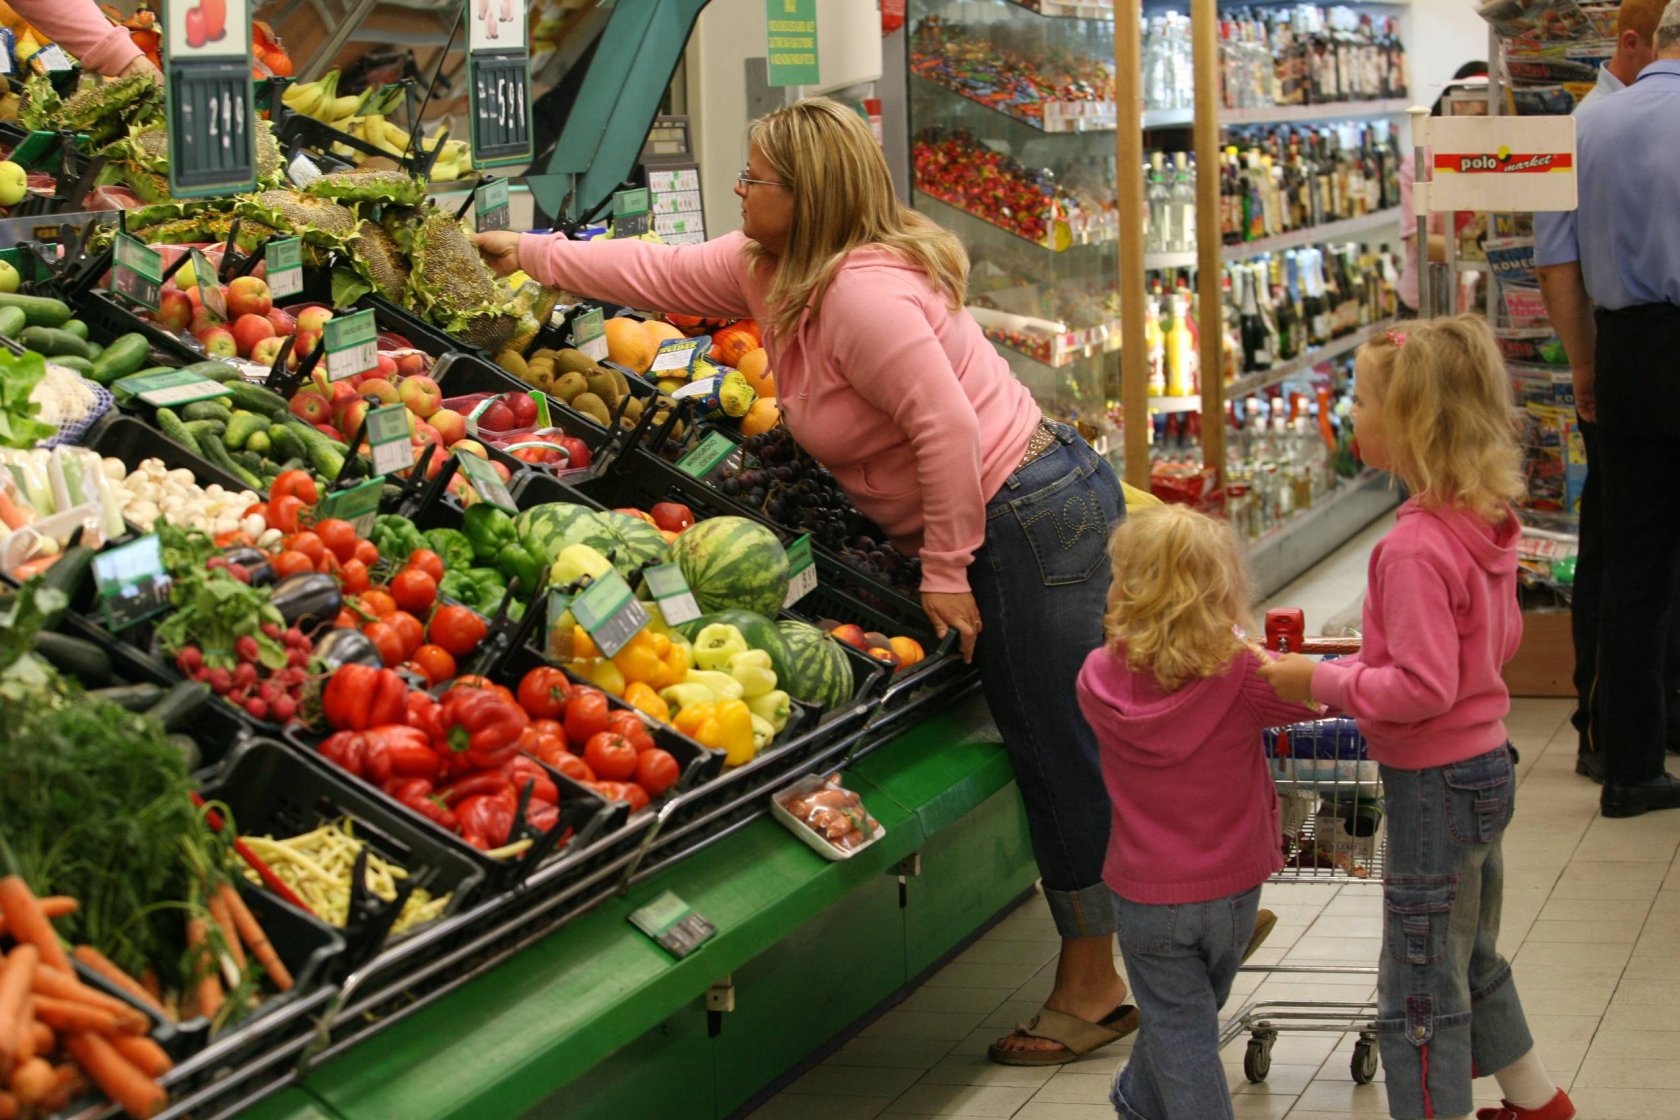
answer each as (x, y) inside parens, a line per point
(1441, 621)
(1195, 813)
(77, 26)
(901, 398)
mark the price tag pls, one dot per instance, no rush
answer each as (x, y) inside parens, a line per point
(610, 613)
(670, 591)
(674, 924)
(491, 206)
(498, 82)
(51, 59)
(486, 481)
(589, 334)
(802, 570)
(285, 267)
(208, 100)
(132, 582)
(175, 387)
(388, 439)
(680, 354)
(544, 418)
(630, 212)
(352, 345)
(358, 505)
(137, 272)
(706, 456)
(209, 288)
(302, 171)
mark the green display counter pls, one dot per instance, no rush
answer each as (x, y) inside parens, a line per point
(596, 1020)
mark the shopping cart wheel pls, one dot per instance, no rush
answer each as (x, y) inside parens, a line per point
(1257, 1060)
(1364, 1066)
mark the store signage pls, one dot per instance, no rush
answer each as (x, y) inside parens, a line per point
(285, 267)
(610, 613)
(630, 212)
(792, 29)
(132, 582)
(671, 591)
(491, 207)
(208, 99)
(215, 299)
(1501, 163)
(137, 272)
(802, 570)
(352, 343)
(708, 455)
(498, 82)
(388, 439)
(172, 388)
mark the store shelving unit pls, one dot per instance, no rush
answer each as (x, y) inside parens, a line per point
(1344, 230)
(1278, 374)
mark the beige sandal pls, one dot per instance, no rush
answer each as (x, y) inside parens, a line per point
(1264, 921)
(1077, 1037)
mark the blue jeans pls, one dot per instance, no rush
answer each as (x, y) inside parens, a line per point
(1447, 1008)
(1041, 583)
(1180, 961)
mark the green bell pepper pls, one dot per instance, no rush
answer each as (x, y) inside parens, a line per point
(517, 562)
(452, 546)
(489, 529)
(461, 587)
(395, 537)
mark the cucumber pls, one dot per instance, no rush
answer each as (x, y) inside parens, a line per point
(176, 429)
(180, 704)
(77, 328)
(217, 371)
(132, 697)
(260, 445)
(284, 443)
(12, 321)
(323, 457)
(207, 410)
(241, 427)
(95, 349)
(254, 398)
(207, 429)
(216, 453)
(40, 311)
(81, 659)
(80, 365)
(67, 574)
(251, 461)
(52, 342)
(123, 357)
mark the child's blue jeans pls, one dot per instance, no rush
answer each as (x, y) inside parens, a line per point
(1447, 1006)
(1180, 961)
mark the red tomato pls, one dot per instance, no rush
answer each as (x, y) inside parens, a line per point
(548, 727)
(367, 552)
(377, 602)
(353, 577)
(425, 560)
(630, 725)
(291, 562)
(410, 629)
(386, 640)
(656, 771)
(572, 766)
(457, 630)
(339, 536)
(295, 482)
(629, 792)
(414, 590)
(610, 756)
(543, 692)
(439, 666)
(308, 543)
(586, 714)
(283, 513)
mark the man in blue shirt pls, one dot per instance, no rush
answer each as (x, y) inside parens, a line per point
(1620, 251)
(1636, 30)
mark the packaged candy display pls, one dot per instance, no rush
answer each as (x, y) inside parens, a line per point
(959, 169)
(1059, 90)
(828, 817)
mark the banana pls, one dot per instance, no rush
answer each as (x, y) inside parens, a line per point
(340, 108)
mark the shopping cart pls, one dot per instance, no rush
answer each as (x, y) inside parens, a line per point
(1330, 795)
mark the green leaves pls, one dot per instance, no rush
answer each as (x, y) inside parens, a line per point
(18, 377)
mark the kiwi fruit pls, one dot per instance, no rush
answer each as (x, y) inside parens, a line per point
(542, 379)
(601, 384)
(593, 407)
(546, 354)
(568, 386)
(514, 363)
(620, 380)
(568, 360)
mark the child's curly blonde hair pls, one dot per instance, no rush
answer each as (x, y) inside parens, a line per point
(1180, 591)
(1448, 413)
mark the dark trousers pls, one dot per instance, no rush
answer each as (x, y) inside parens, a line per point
(1638, 391)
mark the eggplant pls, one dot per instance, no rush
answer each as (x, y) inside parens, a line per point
(307, 599)
(347, 647)
(255, 562)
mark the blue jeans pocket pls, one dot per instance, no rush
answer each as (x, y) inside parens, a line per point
(1145, 928)
(1417, 916)
(1066, 525)
(1479, 797)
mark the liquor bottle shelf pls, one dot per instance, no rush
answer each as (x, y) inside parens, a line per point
(1264, 379)
(1308, 235)
(1283, 114)
(1290, 549)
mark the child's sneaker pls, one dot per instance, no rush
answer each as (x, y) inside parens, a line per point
(1558, 1108)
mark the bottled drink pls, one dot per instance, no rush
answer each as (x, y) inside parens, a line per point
(1158, 199)
(1155, 344)
(1180, 353)
(1182, 203)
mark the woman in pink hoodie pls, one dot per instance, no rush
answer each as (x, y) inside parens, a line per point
(886, 379)
(81, 29)
(1434, 406)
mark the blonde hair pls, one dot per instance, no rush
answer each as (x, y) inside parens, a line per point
(842, 200)
(1448, 413)
(1180, 590)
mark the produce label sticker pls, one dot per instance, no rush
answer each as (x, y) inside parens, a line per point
(498, 82)
(486, 481)
(491, 207)
(352, 345)
(673, 923)
(52, 59)
(358, 505)
(209, 289)
(589, 334)
(680, 354)
(707, 455)
(388, 439)
(610, 612)
(132, 582)
(209, 104)
(671, 592)
(137, 272)
(285, 267)
(175, 387)
(540, 399)
(630, 212)
(802, 570)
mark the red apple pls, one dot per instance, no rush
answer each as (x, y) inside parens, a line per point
(351, 416)
(450, 425)
(250, 329)
(311, 407)
(673, 517)
(246, 295)
(381, 388)
(497, 418)
(284, 325)
(387, 367)
(471, 447)
(175, 311)
(523, 407)
(313, 318)
(330, 432)
(423, 432)
(340, 393)
(193, 297)
(577, 451)
(422, 396)
(307, 340)
(218, 342)
(202, 320)
(413, 363)
(268, 349)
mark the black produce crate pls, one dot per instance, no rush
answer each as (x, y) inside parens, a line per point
(467, 373)
(269, 791)
(391, 318)
(132, 440)
(108, 317)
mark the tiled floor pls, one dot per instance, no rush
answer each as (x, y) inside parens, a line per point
(1591, 923)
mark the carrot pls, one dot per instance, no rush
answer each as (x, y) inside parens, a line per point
(97, 961)
(26, 1048)
(138, 1095)
(45, 1041)
(251, 932)
(20, 968)
(70, 1015)
(33, 1081)
(51, 982)
(9, 1107)
(224, 919)
(147, 1056)
(209, 989)
(52, 906)
(28, 924)
(71, 1084)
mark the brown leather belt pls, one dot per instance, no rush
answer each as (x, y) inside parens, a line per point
(1043, 439)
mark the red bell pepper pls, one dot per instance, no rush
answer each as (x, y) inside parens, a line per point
(482, 727)
(541, 815)
(423, 713)
(347, 750)
(359, 697)
(397, 750)
(480, 783)
(486, 821)
(430, 808)
(521, 770)
(401, 788)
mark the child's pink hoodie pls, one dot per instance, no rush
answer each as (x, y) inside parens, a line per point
(1195, 813)
(1441, 621)
(903, 399)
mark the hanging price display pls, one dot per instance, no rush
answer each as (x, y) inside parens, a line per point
(285, 267)
(172, 388)
(352, 345)
(708, 455)
(207, 94)
(490, 205)
(630, 212)
(670, 590)
(498, 82)
(137, 272)
(589, 334)
(132, 582)
(486, 481)
(388, 439)
(802, 570)
(358, 505)
(610, 613)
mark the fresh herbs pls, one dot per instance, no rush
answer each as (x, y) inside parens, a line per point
(214, 610)
(18, 377)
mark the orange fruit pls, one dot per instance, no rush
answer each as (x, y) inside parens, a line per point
(659, 332)
(755, 367)
(630, 345)
(764, 414)
(732, 343)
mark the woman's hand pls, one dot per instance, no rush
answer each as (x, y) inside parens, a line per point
(500, 250)
(954, 611)
(1290, 676)
(142, 65)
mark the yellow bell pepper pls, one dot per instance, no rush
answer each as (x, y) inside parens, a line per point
(583, 646)
(603, 674)
(639, 659)
(673, 664)
(725, 725)
(643, 698)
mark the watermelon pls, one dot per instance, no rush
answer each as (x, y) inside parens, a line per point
(819, 672)
(759, 632)
(730, 562)
(547, 528)
(629, 541)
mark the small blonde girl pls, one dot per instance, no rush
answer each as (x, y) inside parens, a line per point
(1177, 705)
(1433, 406)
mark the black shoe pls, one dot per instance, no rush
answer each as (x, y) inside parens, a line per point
(1619, 800)
(1591, 765)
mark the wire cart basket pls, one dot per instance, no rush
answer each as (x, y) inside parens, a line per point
(1330, 800)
